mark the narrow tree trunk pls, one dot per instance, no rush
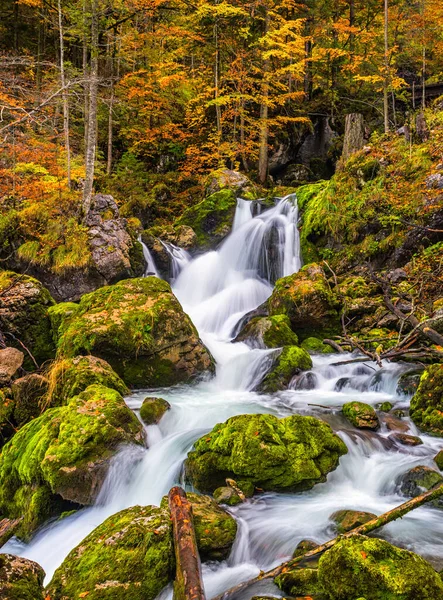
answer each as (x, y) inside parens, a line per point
(64, 94)
(216, 79)
(85, 72)
(386, 65)
(111, 108)
(354, 135)
(188, 581)
(242, 136)
(91, 140)
(263, 135)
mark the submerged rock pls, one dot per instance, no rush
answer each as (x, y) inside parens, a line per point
(405, 439)
(153, 409)
(291, 361)
(290, 454)
(426, 408)
(361, 415)
(130, 557)
(139, 327)
(359, 566)
(345, 520)
(20, 578)
(268, 332)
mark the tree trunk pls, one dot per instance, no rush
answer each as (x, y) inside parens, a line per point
(85, 72)
(216, 79)
(91, 140)
(188, 580)
(386, 69)
(263, 136)
(65, 97)
(354, 135)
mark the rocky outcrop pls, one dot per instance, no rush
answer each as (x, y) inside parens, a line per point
(20, 578)
(290, 454)
(140, 329)
(426, 409)
(152, 410)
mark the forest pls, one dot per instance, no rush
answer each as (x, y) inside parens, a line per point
(221, 300)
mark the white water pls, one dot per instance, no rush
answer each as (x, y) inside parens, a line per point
(217, 289)
(150, 268)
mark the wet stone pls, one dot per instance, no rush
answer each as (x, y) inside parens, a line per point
(405, 439)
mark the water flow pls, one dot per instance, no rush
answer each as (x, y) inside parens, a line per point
(150, 268)
(179, 258)
(217, 289)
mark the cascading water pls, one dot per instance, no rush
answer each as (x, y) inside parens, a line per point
(217, 289)
(150, 268)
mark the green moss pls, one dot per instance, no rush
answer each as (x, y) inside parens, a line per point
(300, 582)
(29, 393)
(153, 409)
(345, 520)
(426, 409)
(373, 568)
(130, 557)
(386, 406)
(290, 454)
(438, 458)
(226, 495)
(305, 193)
(7, 406)
(361, 415)
(315, 346)
(268, 332)
(58, 314)
(20, 578)
(290, 362)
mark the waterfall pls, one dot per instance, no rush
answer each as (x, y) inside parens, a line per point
(150, 268)
(179, 258)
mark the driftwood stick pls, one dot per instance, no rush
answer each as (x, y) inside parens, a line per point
(384, 519)
(7, 529)
(188, 583)
(334, 345)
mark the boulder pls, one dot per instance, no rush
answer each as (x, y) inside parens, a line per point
(290, 362)
(304, 546)
(418, 480)
(11, 361)
(361, 415)
(63, 455)
(268, 332)
(300, 582)
(438, 458)
(29, 394)
(24, 304)
(226, 178)
(290, 454)
(20, 578)
(6, 415)
(426, 408)
(315, 346)
(358, 566)
(153, 409)
(408, 382)
(305, 297)
(139, 327)
(395, 423)
(227, 495)
(406, 440)
(130, 557)
(345, 520)
(385, 406)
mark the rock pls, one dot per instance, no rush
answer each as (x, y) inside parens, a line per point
(24, 304)
(268, 332)
(288, 363)
(295, 175)
(226, 495)
(408, 382)
(434, 182)
(225, 178)
(130, 557)
(359, 566)
(315, 346)
(305, 297)
(405, 439)
(304, 546)
(7, 406)
(182, 236)
(418, 480)
(438, 458)
(29, 394)
(67, 452)
(394, 423)
(426, 408)
(153, 409)
(304, 381)
(290, 454)
(300, 582)
(385, 407)
(345, 520)
(361, 415)
(396, 276)
(71, 376)
(20, 578)
(139, 327)
(11, 361)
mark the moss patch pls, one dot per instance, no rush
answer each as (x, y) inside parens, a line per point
(291, 361)
(426, 409)
(20, 578)
(153, 409)
(361, 415)
(268, 332)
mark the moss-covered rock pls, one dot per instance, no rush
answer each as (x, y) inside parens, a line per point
(304, 546)
(29, 394)
(130, 557)
(24, 304)
(406, 440)
(361, 415)
(20, 578)
(64, 455)
(226, 495)
(345, 520)
(291, 454)
(306, 298)
(268, 332)
(438, 458)
(139, 327)
(152, 410)
(418, 480)
(426, 409)
(70, 376)
(288, 363)
(408, 382)
(6, 415)
(58, 315)
(314, 345)
(385, 406)
(360, 566)
(300, 582)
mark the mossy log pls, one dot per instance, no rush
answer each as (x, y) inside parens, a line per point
(188, 583)
(384, 519)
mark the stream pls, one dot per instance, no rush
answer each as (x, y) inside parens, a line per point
(217, 289)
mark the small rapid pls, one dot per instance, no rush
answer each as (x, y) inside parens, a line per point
(217, 289)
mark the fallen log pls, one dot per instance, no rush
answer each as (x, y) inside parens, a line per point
(7, 529)
(384, 519)
(188, 583)
(333, 345)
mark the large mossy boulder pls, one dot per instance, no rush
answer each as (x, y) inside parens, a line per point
(153, 409)
(290, 362)
(290, 454)
(20, 578)
(268, 332)
(426, 409)
(63, 455)
(130, 557)
(24, 304)
(306, 298)
(361, 415)
(359, 566)
(139, 327)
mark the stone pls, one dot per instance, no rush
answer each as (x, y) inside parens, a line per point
(405, 439)
(426, 408)
(358, 566)
(438, 459)
(226, 178)
(290, 454)
(418, 480)
(153, 409)
(304, 546)
(408, 382)
(385, 406)
(268, 332)
(300, 582)
(345, 520)
(227, 495)
(434, 181)
(287, 364)
(315, 346)
(361, 415)
(11, 361)
(29, 394)
(20, 578)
